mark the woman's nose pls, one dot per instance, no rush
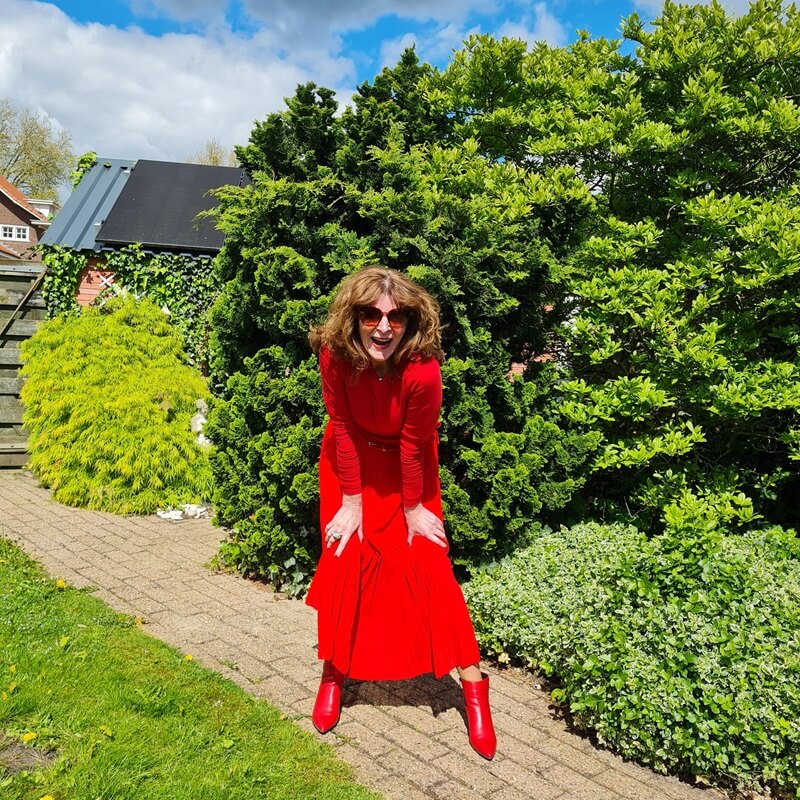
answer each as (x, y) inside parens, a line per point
(383, 325)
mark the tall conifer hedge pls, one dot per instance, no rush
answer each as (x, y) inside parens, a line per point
(649, 197)
(381, 185)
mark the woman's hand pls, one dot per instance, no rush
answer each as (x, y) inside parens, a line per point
(422, 522)
(346, 521)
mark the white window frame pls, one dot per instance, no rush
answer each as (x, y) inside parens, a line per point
(15, 233)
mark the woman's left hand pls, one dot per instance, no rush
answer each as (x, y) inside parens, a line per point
(423, 522)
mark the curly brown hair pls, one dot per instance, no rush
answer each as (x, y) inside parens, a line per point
(339, 332)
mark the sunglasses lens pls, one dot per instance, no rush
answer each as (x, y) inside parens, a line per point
(397, 318)
(369, 316)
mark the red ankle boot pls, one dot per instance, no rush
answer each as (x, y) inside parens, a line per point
(479, 717)
(328, 704)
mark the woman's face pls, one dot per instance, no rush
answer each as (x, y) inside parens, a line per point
(382, 339)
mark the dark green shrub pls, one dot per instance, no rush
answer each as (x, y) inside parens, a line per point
(270, 429)
(331, 195)
(680, 656)
(108, 398)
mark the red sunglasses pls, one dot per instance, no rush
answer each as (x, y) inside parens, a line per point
(370, 317)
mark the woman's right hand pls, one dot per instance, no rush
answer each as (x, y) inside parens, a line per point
(346, 521)
(421, 521)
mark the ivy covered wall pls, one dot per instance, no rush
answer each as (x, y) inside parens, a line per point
(181, 283)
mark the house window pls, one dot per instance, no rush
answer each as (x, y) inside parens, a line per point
(14, 233)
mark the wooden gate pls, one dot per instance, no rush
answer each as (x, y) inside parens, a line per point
(21, 311)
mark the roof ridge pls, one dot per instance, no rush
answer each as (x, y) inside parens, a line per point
(16, 196)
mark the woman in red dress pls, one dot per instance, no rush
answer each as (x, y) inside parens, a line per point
(388, 604)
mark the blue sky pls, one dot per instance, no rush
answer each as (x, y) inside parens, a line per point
(160, 78)
(364, 37)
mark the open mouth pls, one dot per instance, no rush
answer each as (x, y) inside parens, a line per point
(380, 342)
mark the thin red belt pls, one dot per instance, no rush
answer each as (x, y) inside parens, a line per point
(387, 444)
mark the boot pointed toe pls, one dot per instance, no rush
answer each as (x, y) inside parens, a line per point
(482, 737)
(328, 705)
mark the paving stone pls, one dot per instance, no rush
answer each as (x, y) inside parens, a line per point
(529, 785)
(580, 757)
(351, 733)
(571, 781)
(420, 773)
(474, 772)
(523, 777)
(384, 780)
(450, 790)
(628, 787)
(536, 791)
(417, 743)
(529, 757)
(679, 790)
(405, 739)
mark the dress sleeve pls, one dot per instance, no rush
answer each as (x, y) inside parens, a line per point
(334, 375)
(422, 416)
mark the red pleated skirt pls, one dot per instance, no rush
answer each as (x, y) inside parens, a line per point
(387, 610)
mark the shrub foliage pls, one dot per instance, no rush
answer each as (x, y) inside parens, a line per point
(331, 195)
(108, 398)
(649, 198)
(679, 657)
(678, 292)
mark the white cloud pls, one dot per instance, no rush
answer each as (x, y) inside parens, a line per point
(356, 14)
(435, 47)
(185, 10)
(303, 23)
(451, 37)
(392, 49)
(653, 7)
(542, 27)
(127, 94)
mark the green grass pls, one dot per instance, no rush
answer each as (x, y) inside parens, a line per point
(130, 717)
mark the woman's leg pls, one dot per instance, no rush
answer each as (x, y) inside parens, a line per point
(470, 673)
(475, 686)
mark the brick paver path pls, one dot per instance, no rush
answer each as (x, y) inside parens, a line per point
(405, 739)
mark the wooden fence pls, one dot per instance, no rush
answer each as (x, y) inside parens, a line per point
(21, 311)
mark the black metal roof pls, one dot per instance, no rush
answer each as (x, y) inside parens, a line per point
(159, 202)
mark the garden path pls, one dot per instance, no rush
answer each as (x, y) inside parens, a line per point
(407, 740)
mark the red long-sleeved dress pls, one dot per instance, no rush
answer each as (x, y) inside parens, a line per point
(386, 610)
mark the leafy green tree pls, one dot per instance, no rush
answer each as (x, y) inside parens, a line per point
(685, 332)
(677, 292)
(33, 156)
(215, 154)
(295, 142)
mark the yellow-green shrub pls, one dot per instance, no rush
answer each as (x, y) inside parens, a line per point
(108, 399)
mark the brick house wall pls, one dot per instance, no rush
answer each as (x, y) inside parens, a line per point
(93, 279)
(14, 216)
